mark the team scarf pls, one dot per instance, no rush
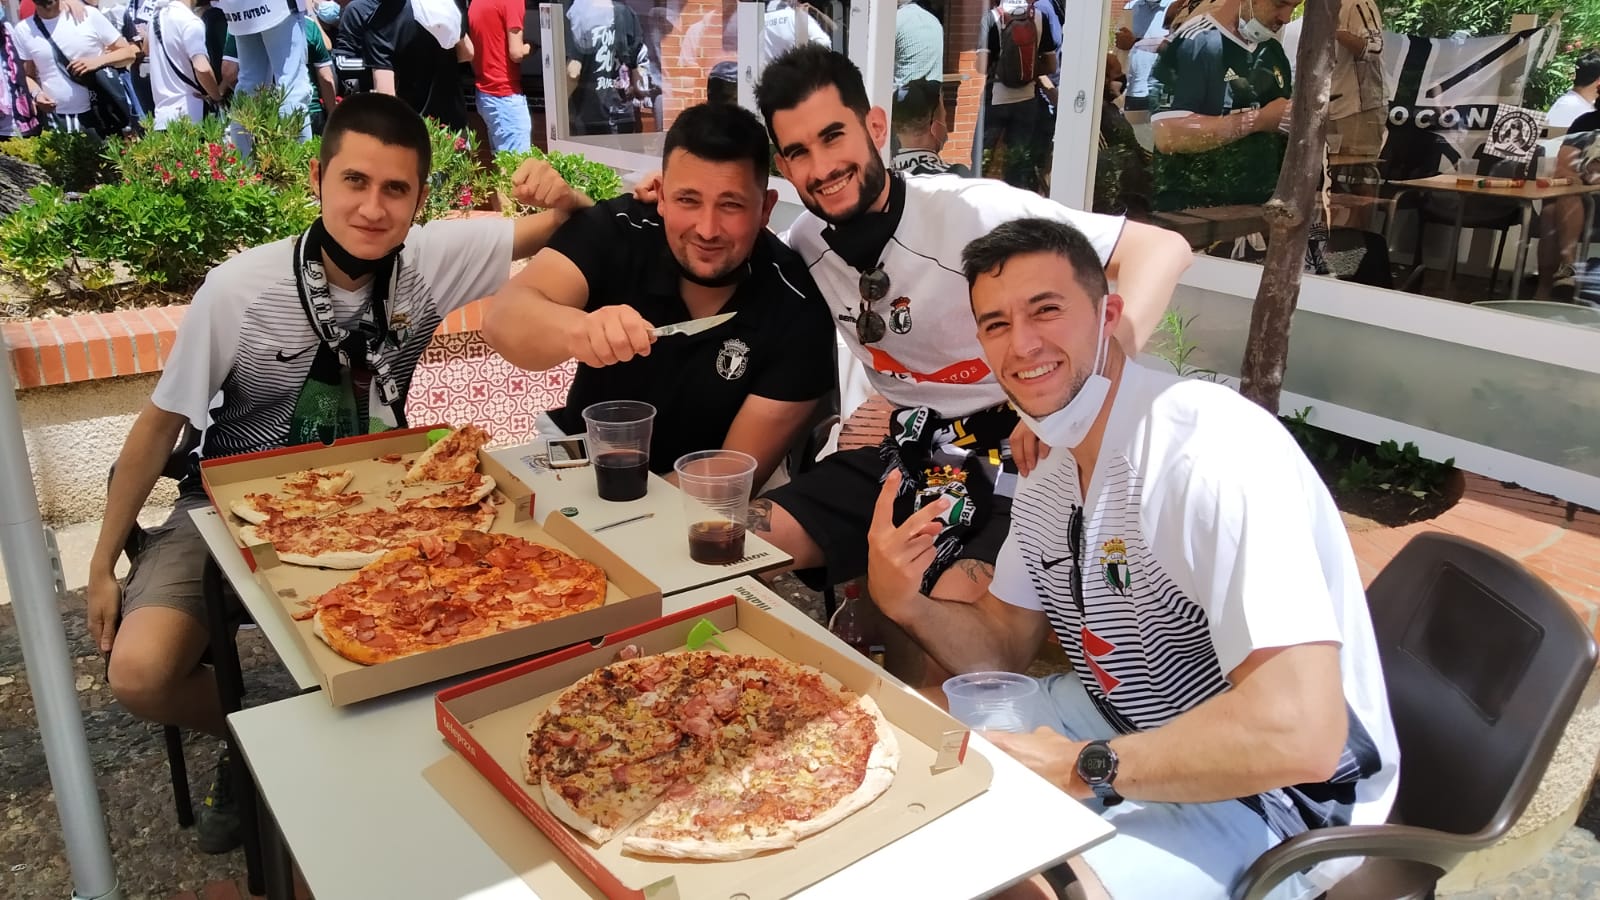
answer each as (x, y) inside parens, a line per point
(381, 344)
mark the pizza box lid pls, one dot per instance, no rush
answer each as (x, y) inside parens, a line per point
(486, 720)
(631, 598)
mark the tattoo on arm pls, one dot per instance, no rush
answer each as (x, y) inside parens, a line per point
(979, 571)
(759, 517)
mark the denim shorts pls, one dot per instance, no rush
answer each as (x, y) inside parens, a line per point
(510, 124)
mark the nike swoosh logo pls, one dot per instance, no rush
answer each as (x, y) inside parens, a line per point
(1052, 563)
(282, 358)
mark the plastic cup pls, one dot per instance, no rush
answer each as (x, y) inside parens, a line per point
(716, 495)
(619, 445)
(993, 701)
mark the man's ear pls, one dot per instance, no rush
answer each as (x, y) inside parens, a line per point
(782, 162)
(878, 127)
(1112, 310)
(767, 203)
(316, 178)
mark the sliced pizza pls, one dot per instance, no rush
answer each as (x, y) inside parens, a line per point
(451, 458)
(308, 494)
(356, 538)
(452, 496)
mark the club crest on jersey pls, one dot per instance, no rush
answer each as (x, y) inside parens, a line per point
(900, 315)
(950, 482)
(733, 359)
(1114, 566)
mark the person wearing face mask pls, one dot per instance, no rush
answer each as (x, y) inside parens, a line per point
(1226, 691)
(1221, 122)
(311, 338)
(920, 129)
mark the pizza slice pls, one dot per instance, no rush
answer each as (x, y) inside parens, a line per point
(307, 494)
(451, 458)
(352, 539)
(468, 492)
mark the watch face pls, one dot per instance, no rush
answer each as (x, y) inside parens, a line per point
(1095, 764)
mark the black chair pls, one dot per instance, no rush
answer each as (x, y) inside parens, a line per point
(1484, 665)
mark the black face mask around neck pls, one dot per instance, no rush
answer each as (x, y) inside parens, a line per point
(347, 262)
(728, 279)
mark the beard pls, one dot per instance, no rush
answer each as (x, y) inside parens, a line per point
(874, 177)
(1080, 377)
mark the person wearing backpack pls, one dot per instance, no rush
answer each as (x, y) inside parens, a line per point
(1015, 50)
(181, 77)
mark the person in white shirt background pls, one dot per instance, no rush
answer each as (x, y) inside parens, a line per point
(181, 79)
(1579, 100)
(88, 45)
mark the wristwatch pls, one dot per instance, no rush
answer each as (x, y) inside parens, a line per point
(1097, 766)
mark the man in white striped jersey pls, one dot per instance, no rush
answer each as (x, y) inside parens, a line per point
(308, 338)
(1226, 691)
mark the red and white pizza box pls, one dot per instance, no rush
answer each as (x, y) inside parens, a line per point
(631, 598)
(486, 720)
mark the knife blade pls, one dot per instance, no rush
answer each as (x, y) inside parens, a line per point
(693, 326)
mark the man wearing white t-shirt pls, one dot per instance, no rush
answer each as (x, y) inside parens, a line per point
(87, 45)
(181, 80)
(1226, 691)
(1585, 87)
(885, 251)
(308, 338)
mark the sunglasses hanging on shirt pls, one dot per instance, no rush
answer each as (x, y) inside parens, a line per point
(874, 286)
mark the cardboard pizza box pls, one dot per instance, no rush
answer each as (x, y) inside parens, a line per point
(631, 598)
(486, 720)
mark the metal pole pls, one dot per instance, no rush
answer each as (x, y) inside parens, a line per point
(49, 666)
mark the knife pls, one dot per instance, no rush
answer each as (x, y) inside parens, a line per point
(693, 326)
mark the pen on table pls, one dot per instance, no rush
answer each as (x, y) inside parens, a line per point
(623, 522)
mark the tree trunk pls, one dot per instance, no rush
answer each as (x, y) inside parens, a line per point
(1291, 210)
(16, 179)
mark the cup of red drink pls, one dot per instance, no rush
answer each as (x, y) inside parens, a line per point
(716, 495)
(619, 446)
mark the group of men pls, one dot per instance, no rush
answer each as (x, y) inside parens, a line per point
(1226, 692)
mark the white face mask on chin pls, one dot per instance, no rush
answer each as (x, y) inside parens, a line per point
(1253, 29)
(1068, 426)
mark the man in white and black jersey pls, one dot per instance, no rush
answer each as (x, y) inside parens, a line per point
(885, 251)
(1226, 690)
(308, 338)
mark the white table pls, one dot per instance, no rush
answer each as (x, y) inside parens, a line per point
(346, 788)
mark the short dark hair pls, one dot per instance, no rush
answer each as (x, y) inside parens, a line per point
(383, 117)
(801, 72)
(720, 132)
(916, 103)
(722, 85)
(1020, 237)
(1588, 70)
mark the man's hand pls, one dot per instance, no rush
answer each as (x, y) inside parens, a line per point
(1026, 448)
(82, 67)
(74, 9)
(43, 102)
(1274, 116)
(897, 557)
(648, 190)
(536, 183)
(610, 335)
(104, 598)
(1053, 756)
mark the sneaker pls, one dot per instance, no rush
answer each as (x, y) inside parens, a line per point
(1566, 278)
(217, 824)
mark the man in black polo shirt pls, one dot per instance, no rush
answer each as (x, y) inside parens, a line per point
(615, 271)
(380, 47)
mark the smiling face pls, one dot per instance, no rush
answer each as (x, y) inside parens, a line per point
(712, 213)
(1037, 326)
(830, 154)
(369, 192)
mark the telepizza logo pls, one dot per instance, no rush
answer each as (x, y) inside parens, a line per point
(1095, 647)
(970, 371)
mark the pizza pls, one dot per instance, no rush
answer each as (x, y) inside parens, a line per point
(439, 591)
(707, 755)
(451, 458)
(451, 496)
(356, 538)
(314, 492)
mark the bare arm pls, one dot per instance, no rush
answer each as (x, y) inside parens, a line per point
(1283, 723)
(988, 635)
(1195, 133)
(383, 81)
(766, 429)
(230, 74)
(144, 454)
(529, 320)
(327, 90)
(517, 49)
(1145, 265)
(464, 49)
(206, 77)
(537, 185)
(1353, 42)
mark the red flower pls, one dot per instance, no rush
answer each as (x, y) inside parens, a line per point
(461, 143)
(193, 174)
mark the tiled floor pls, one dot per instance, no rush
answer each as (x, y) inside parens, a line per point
(1532, 528)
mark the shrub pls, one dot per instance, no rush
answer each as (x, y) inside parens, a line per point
(23, 148)
(596, 180)
(278, 154)
(458, 183)
(73, 160)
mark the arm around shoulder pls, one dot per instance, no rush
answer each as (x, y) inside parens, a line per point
(1145, 265)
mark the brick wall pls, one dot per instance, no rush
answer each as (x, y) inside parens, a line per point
(963, 98)
(686, 74)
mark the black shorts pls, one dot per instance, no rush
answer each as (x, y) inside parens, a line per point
(834, 502)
